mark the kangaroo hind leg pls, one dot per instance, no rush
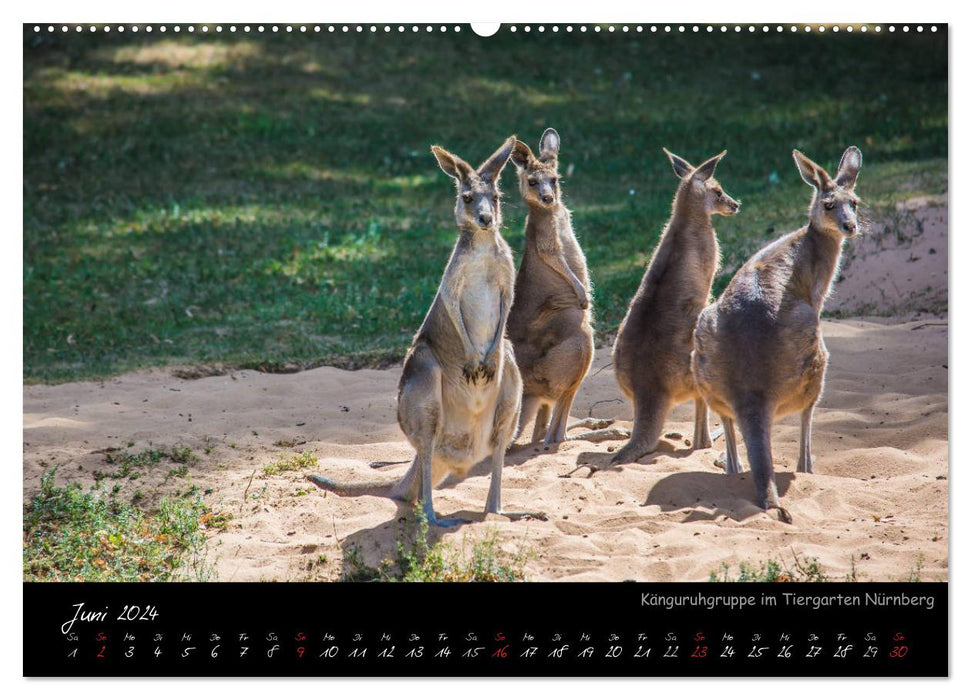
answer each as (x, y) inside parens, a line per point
(504, 424)
(755, 422)
(702, 438)
(805, 442)
(542, 422)
(561, 414)
(649, 414)
(420, 413)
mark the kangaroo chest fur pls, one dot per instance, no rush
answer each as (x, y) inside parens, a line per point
(551, 233)
(480, 301)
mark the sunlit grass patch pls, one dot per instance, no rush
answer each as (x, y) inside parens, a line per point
(173, 54)
(75, 535)
(295, 462)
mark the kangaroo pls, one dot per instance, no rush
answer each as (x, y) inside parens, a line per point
(759, 351)
(460, 390)
(549, 324)
(652, 353)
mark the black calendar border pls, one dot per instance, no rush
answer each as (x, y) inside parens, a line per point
(499, 615)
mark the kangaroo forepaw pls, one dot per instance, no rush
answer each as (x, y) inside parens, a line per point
(470, 372)
(487, 370)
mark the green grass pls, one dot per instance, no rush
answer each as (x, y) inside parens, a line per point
(296, 462)
(130, 465)
(76, 535)
(271, 202)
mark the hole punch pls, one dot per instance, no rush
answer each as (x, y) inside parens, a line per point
(485, 29)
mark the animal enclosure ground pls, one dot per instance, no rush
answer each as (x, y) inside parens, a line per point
(877, 503)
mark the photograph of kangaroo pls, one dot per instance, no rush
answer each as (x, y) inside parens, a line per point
(594, 303)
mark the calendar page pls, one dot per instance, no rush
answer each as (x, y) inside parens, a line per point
(498, 350)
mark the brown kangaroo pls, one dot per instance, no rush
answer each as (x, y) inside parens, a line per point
(759, 351)
(652, 353)
(549, 324)
(460, 390)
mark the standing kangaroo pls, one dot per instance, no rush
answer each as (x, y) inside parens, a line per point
(652, 353)
(549, 324)
(758, 351)
(460, 390)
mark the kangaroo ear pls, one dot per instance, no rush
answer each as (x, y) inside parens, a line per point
(850, 165)
(680, 165)
(494, 164)
(521, 154)
(549, 145)
(451, 164)
(704, 171)
(814, 175)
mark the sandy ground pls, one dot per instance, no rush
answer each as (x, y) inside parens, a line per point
(878, 497)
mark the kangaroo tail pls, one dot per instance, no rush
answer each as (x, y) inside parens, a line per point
(754, 419)
(355, 488)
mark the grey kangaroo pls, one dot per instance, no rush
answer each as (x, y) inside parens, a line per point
(460, 390)
(759, 351)
(652, 353)
(549, 324)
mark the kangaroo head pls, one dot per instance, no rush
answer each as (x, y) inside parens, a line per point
(477, 203)
(700, 185)
(538, 177)
(834, 203)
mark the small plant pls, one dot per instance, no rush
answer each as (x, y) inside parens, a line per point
(915, 573)
(127, 462)
(417, 560)
(355, 569)
(771, 571)
(296, 462)
(180, 471)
